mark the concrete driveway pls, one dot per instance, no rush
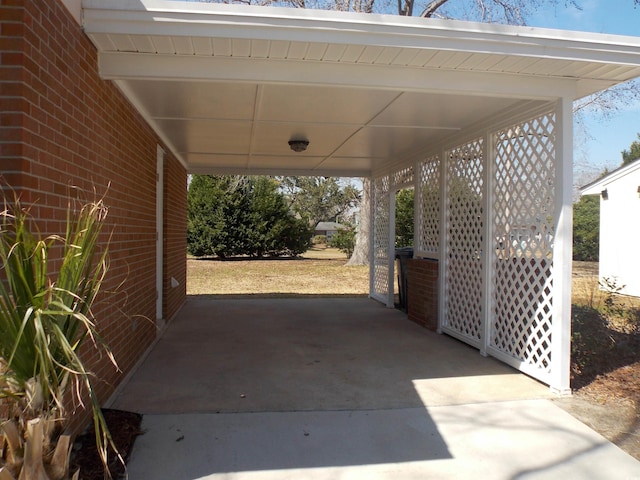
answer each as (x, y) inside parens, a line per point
(328, 388)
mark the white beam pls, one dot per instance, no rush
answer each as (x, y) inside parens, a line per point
(244, 170)
(139, 66)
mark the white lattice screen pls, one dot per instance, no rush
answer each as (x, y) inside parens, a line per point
(463, 268)
(382, 189)
(497, 255)
(523, 226)
(428, 208)
(380, 204)
(402, 177)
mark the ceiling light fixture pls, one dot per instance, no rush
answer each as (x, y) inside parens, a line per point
(298, 145)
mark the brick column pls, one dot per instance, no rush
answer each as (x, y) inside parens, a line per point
(422, 292)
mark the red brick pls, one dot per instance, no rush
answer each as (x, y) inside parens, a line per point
(69, 128)
(422, 292)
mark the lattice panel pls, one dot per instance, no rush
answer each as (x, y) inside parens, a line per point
(428, 214)
(403, 176)
(523, 226)
(522, 322)
(381, 237)
(464, 237)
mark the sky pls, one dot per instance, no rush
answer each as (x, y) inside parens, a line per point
(608, 137)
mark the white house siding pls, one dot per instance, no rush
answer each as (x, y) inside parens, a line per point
(620, 227)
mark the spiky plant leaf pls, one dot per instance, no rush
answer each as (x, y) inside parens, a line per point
(46, 314)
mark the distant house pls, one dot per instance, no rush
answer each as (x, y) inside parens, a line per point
(619, 225)
(329, 229)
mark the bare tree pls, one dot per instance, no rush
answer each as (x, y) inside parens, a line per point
(608, 102)
(360, 255)
(512, 12)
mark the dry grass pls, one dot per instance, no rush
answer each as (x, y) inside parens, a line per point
(319, 272)
(586, 289)
(322, 271)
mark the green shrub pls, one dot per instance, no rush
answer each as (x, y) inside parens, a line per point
(240, 215)
(319, 240)
(344, 240)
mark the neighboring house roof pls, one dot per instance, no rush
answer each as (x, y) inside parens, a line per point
(326, 226)
(596, 187)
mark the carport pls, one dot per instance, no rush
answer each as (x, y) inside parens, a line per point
(477, 118)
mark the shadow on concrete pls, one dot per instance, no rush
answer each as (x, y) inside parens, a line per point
(288, 441)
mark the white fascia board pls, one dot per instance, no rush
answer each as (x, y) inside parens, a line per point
(596, 187)
(136, 66)
(593, 188)
(244, 170)
(154, 17)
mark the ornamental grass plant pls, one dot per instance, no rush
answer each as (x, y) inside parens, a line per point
(48, 285)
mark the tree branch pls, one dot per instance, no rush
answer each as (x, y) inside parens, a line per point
(431, 8)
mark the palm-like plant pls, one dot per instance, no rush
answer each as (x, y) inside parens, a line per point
(45, 317)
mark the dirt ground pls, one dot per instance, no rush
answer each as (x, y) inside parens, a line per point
(609, 405)
(605, 370)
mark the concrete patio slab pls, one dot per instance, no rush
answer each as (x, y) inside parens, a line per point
(344, 388)
(498, 441)
(271, 355)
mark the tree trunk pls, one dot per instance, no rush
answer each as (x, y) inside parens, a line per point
(360, 254)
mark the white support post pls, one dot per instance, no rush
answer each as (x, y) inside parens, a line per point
(487, 242)
(442, 254)
(562, 257)
(392, 247)
(372, 232)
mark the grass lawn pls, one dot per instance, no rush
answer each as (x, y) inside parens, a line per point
(320, 271)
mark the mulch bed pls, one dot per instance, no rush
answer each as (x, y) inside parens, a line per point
(620, 384)
(124, 428)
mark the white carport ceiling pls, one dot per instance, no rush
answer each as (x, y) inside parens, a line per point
(226, 86)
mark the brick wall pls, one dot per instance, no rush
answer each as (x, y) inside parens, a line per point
(62, 126)
(422, 295)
